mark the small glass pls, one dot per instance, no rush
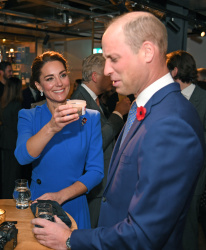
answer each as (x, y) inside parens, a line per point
(79, 104)
(22, 194)
(44, 211)
(2, 216)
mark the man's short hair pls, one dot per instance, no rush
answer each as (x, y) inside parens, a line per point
(145, 27)
(186, 65)
(90, 64)
(4, 64)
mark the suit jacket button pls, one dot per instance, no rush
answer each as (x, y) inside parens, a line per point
(38, 181)
(104, 199)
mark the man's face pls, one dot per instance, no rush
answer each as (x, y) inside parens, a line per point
(7, 72)
(125, 68)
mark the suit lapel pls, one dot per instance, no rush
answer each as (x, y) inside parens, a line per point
(105, 110)
(117, 152)
(91, 104)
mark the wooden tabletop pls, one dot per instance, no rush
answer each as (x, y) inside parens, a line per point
(25, 237)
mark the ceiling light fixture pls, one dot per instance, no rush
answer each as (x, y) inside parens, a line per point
(69, 19)
(202, 34)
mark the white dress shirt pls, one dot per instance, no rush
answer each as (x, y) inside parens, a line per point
(147, 93)
(187, 92)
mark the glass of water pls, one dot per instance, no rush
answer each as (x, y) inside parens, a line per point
(44, 211)
(22, 193)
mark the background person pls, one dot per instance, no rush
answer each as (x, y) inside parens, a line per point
(66, 154)
(201, 78)
(151, 176)
(201, 74)
(94, 84)
(183, 69)
(5, 73)
(31, 95)
(11, 103)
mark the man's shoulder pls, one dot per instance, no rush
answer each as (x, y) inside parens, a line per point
(79, 93)
(198, 97)
(200, 92)
(82, 94)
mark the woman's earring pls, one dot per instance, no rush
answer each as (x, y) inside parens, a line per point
(41, 93)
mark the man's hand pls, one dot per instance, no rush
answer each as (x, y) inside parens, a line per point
(123, 106)
(53, 235)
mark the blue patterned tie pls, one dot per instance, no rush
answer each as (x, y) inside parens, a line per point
(130, 120)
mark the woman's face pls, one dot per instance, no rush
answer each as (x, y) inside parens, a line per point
(54, 82)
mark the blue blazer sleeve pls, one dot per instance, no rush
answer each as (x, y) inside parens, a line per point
(25, 127)
(94, 166)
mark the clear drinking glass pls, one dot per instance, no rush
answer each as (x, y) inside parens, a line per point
(22, 194)
(44, 211)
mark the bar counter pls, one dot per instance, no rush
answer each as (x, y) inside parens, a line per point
(25, 237)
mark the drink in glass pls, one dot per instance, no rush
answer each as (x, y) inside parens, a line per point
(80, 105)
(44, 211)
(22, 194)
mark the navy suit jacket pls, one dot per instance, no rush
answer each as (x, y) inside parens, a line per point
(151, 179)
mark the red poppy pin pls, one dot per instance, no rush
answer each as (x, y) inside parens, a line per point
(141, 111)
(84, 120)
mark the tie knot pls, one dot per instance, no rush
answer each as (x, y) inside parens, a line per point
(130, 119)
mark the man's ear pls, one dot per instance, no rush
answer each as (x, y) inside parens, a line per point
(174, 72)
(94, 76)
(149, 50)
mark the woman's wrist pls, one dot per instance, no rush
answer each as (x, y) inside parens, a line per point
(50, 129)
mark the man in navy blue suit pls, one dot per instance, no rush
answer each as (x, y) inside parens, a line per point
(157, 157)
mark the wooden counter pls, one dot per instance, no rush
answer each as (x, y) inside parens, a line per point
(25, 237)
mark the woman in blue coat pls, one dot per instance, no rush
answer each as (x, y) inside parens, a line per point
(64, 149)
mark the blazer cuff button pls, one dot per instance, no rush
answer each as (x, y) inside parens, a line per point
(38, 181)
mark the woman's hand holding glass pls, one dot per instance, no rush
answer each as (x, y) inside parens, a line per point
(63, 115)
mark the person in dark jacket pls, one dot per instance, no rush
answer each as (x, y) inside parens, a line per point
(10, 105)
